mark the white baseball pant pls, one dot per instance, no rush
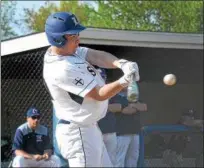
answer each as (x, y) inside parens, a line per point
(20, 161)
(82, 146)
(127, 154)
(110, 141)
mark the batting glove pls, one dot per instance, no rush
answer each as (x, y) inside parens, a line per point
(126, 79)
(129, 67)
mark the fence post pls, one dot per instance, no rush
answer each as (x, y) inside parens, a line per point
(141, 150)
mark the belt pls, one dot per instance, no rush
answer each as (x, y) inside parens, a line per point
(63, 122)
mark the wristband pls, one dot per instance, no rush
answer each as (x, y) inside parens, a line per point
(123, 82)
(122, 62)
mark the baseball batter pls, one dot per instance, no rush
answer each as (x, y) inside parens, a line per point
(79, 94)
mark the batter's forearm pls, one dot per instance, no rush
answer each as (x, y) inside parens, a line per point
(102, 59)
(24, 154)
(110, 90)
(105, 92)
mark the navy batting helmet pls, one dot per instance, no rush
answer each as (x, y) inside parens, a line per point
(59, 24)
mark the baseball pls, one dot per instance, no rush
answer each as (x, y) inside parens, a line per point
(169, 79)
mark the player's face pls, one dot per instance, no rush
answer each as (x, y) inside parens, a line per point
(73, 42)
(33, 121)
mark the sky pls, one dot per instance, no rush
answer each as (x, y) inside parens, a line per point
(31, 4)
(19, 11)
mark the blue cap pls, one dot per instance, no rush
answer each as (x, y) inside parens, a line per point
(33, 112)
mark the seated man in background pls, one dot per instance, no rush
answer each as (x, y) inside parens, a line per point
(188, 119)
(177, 144)
(31, 144)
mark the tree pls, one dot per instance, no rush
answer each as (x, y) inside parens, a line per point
(35, 20)
(163, 16)
(8, 9)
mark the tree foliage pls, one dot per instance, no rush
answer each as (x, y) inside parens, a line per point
(163, 16)
(35, 20)
(8, 9)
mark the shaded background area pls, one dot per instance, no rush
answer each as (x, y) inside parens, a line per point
(22, 84)
(165, 104)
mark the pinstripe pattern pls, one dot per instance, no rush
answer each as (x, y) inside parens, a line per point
(82, 146)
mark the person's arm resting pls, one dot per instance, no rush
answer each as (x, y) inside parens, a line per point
(26, 155)
(195, 123)
(129, 110)
(139, 106)
(116, 107)
(134, 107)
(48, 148)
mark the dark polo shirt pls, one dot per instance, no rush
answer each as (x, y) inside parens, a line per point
(108, 123)
(32, 142)
(126, 124)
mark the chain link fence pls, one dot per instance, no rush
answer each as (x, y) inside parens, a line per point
(21, 87)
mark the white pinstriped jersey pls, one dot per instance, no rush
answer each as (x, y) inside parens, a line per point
(69, 79)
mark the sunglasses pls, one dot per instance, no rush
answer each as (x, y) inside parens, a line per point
(73, 36)
(35, 117)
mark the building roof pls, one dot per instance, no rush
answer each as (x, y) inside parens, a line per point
(110, 37)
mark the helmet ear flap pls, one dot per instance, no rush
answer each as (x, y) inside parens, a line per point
(58, 40)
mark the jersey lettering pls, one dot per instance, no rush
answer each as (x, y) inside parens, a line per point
(91, 70)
